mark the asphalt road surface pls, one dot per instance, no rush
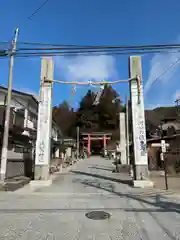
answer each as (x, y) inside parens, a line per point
(59, 211)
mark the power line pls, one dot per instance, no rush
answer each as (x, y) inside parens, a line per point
(83, 52)
(92, 53)
(95, 49)
(167, 70)
(89, 53)
(108, 50)
(38, 9)
(101, 46)
(172, 65)
(49, 44)
(90, 47)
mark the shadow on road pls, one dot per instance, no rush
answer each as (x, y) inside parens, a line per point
(54, 210)
(123, 181)
(161, 206)
(101, 168)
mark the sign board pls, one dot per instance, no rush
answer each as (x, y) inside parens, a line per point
(158, 145)
(163, 145)
(44, 127)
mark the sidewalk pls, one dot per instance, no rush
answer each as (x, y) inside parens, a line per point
(173, 182)
(94, 176)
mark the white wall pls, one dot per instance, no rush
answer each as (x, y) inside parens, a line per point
(22, 102)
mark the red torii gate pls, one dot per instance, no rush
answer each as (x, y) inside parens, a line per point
(95, 136)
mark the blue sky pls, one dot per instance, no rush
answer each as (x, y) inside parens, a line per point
(100, 23)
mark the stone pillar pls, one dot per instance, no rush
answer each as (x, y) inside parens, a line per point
(43, 142)
(123, 138)
(138, 120)
(127, 131)
(89, 144)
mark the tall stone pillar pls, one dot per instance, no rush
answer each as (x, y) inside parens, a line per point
(123, 137)
(43, 142)
(138, 119)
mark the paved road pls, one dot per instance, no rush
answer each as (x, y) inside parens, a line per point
(58, 212)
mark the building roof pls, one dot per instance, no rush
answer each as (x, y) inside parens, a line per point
(162, 138)
(169, 119)
(28, 95)
(25, 94)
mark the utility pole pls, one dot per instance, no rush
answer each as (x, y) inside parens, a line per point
(77, 130)
(8, 108)
(127, 130)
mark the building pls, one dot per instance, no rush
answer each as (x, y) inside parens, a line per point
(168, 130)
(23, 131)
(170, 126)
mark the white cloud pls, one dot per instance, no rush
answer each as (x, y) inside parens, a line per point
(163, 68)
(84, 68)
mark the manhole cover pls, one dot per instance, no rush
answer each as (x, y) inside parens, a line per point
(97, 215)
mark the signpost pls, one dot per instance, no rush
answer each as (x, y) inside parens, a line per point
(163, 146)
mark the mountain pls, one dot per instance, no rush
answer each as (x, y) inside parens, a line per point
(157, 115)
